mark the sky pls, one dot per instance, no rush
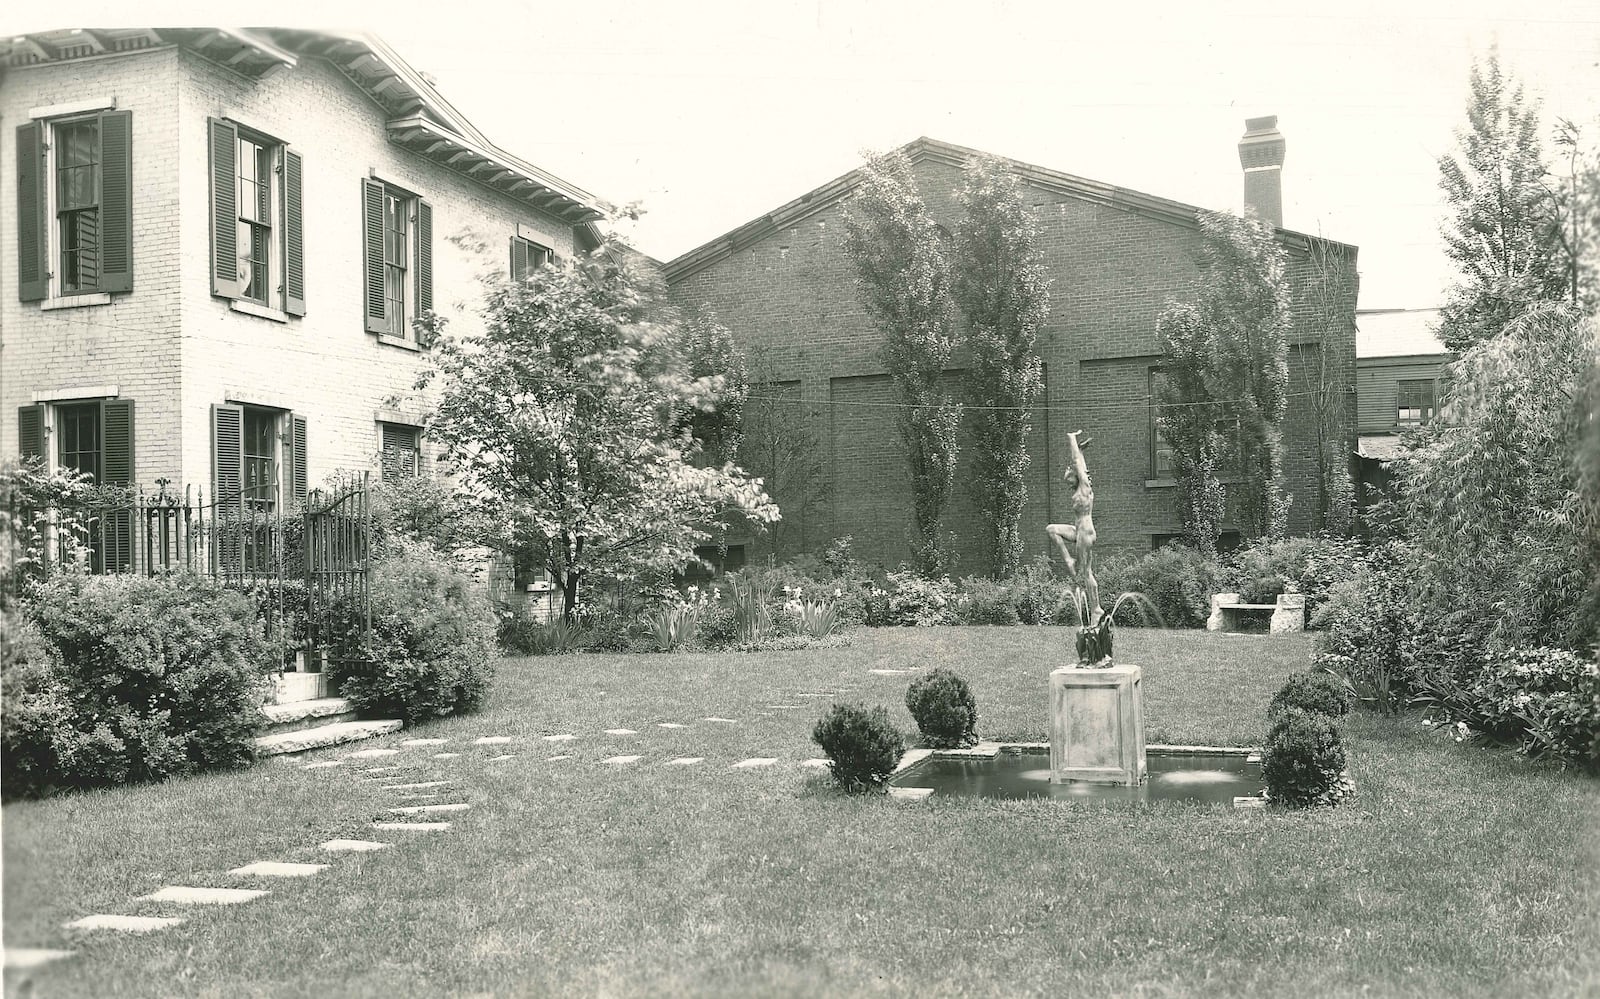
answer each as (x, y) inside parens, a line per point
(710, 114)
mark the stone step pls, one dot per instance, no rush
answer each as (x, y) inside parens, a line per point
(298, 715)
(323, 736)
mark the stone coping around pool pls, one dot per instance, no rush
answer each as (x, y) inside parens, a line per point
(989, 750)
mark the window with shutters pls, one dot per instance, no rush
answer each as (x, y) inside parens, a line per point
(257, 220)
(259, 457)
(74, 199)
(397, 233)
(402, 451)
(93, 437)
(528, 256)
(78, 438)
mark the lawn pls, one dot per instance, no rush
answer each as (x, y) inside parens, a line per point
(1454, 871)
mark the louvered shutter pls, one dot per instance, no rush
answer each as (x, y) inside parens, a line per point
(297, 465)
(224, 209)
(519, 259)
(33, 269)
(30, 431)
(424, 258)
(294, 256)
(116, 469)
(372, 254)
(116, 201)
(227, 456)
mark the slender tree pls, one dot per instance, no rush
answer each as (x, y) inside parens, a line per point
(1187, 418)
(1329, 296)
(999, 283)
(1504, 233)
(560, 422)
(904, 282)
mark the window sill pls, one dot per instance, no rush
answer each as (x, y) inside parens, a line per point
(75, 301)
(395, 341)
(260, 311)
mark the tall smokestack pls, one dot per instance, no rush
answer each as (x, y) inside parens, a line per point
(1261, 155)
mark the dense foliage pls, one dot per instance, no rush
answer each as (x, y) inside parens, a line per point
(1303, 760)
(431, 650)
(863, 745)
(1177, 579)
(998, 281)
(944, 709)
(1316, 692)
(904, 282)
(115, 679)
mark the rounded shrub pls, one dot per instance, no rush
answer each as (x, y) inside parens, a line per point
(1303, 761)
(944, 708)
(432, 647)
(1318, 692)
(863, 744)
(984, 601)
(129, 678)
(1176, 579)
(718, 626)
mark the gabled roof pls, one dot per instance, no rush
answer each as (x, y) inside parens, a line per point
(925, 149)
(1398, 333)
(418, 116)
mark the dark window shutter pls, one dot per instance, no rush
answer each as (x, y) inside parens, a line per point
(33, 269)
(424, 258)
(297, 467)
(372, 254)
(116, 201)
(224, 209)
(294, 255)
(519, 259)
(227, 457)
(30, 431)
(116, 442)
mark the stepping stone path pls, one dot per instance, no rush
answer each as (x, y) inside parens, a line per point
(565, 737)
(417, 784)
(413, 826)
(620, 731)
(497, 759)
(669, 725)
(555, 759)
(424, 742)
(188, 895)
(622, 759)
(127, 924)
(372, 754)
(725, 721)
(273, 869)
(352, 845)
(456, 806)
(24, 958)
(685, 761)
(754, 762)
(492, 740)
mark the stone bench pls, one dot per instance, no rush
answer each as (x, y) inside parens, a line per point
(1228, 614)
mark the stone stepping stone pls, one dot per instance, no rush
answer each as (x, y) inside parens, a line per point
(622, 759)
(685, 761)
(415, 785)
(725, 721)
(669, 725)
(352, 845)
(379, 770)
(189, 895)
(127, 924)
(372, 754)
(889, 672)
(554, 759)
(819, 693)
(910, 793)
(492, 740)
(817, 764)
(321, 764)
(418, 794)
(454, 806)
(620, 731)
(273, 869)
(564, 737)
(424, 742)
(497, 759)
(754, 762)
(783, 707)
(413, 826)
(445, 756)
(25, 958)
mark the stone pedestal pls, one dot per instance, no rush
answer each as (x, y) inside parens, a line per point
(1290, 614)
(1097, 725)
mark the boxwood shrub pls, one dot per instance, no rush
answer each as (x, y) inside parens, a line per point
(944, 708)
(863, 745)
(1314, 691)
(1303, 760)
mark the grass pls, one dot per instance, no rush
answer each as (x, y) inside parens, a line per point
(1454, 871)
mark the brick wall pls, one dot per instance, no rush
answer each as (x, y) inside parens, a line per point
(791, 295)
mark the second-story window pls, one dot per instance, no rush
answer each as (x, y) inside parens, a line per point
(397, 231)
(396, 257)
(77, 148)
(528, 256)
(75, 205)
(257, 221)
(257, 171)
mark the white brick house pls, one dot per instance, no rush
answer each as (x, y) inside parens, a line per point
(212, 242)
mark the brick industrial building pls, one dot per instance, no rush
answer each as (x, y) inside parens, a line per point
(1115, 258)
(218, 239)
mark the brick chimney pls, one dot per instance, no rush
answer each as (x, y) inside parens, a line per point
(1261, 155)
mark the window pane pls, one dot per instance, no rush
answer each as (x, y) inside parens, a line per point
(80, 250)
(78, 428)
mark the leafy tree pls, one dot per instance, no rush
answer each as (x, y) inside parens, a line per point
(904, 282)
(1504, 234)
(999, 284)
(560, 422)
(1329, 292)
(781, 447)
(1228, 363)
(717, 428)
(1577, 200)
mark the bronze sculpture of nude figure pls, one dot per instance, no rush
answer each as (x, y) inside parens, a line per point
(1076, 540)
